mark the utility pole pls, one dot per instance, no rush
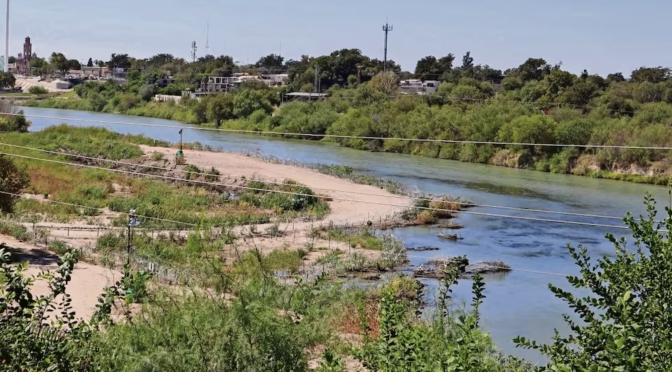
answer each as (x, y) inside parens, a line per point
(207, 41)
(131, 222)
(6, 64)
(387, 28)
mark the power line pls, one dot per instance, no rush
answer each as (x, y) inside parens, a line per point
(494, 143)
(332, 198)
(412, 256)
(321, 188)
(122, 228)
(100, 209)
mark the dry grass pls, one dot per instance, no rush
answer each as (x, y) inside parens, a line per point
(350, 320)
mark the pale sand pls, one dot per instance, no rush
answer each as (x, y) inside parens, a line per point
(352, 211)
(87, 283)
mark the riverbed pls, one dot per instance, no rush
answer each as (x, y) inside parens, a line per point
(517, 303)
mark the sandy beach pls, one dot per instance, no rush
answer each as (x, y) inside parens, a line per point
(88, 281)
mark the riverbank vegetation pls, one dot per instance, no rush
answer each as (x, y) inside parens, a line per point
(535, 102)
(241, 314)
(65, 193)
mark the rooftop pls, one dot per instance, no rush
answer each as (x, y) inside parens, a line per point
(305, 94)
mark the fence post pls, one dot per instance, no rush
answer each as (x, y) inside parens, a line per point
(68, 231)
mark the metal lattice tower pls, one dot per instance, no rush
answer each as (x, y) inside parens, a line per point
(387, 28)
(193, 51)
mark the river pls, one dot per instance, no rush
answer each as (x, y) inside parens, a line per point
(517, 303)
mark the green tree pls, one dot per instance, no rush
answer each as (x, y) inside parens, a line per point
(13, 179)
(89, 63)
(427, 68)
(529, 129)
(650, 74)
(271, 62)
(73, 64)
(615, 77)
(511, 83)
(248, 101)
(385, 82)
(558, 80)
(532, 69)
(118, 61)
(625, 320)
(7, 80)
(59, 62)
(220, 107)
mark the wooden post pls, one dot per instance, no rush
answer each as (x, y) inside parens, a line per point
(68, 231)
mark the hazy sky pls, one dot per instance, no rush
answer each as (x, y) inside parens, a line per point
(601, 36)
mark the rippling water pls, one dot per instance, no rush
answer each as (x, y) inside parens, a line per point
(517, 303)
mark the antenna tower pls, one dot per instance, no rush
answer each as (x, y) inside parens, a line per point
(387, 28)
(207, 41)
(193, 51)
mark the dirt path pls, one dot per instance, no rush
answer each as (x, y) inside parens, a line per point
(88, 281)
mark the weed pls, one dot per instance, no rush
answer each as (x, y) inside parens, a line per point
(157, 156)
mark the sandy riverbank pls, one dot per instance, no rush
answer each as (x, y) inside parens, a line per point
(346, 208)
(354, 209)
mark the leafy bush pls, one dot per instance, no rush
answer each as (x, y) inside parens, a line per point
(27, 340)
(16, 230)
(623, 321)
(13, 178)
(36, 89)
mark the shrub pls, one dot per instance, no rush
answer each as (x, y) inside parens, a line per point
(13, 178)
(27, 341)
(157, 156)
(624, 320)
(36, 89)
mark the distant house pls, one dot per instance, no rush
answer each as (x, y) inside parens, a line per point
(303, 97)
(95, 72)
(415, 86)
(275, 80)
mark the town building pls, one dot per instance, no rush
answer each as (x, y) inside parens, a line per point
(95, 72)
(415, 86)
(23, 59)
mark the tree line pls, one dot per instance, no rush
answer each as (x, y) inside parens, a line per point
(535, 102)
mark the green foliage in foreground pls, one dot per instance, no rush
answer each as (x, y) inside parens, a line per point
(42, 333)
(625, 322)
(250, 321)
